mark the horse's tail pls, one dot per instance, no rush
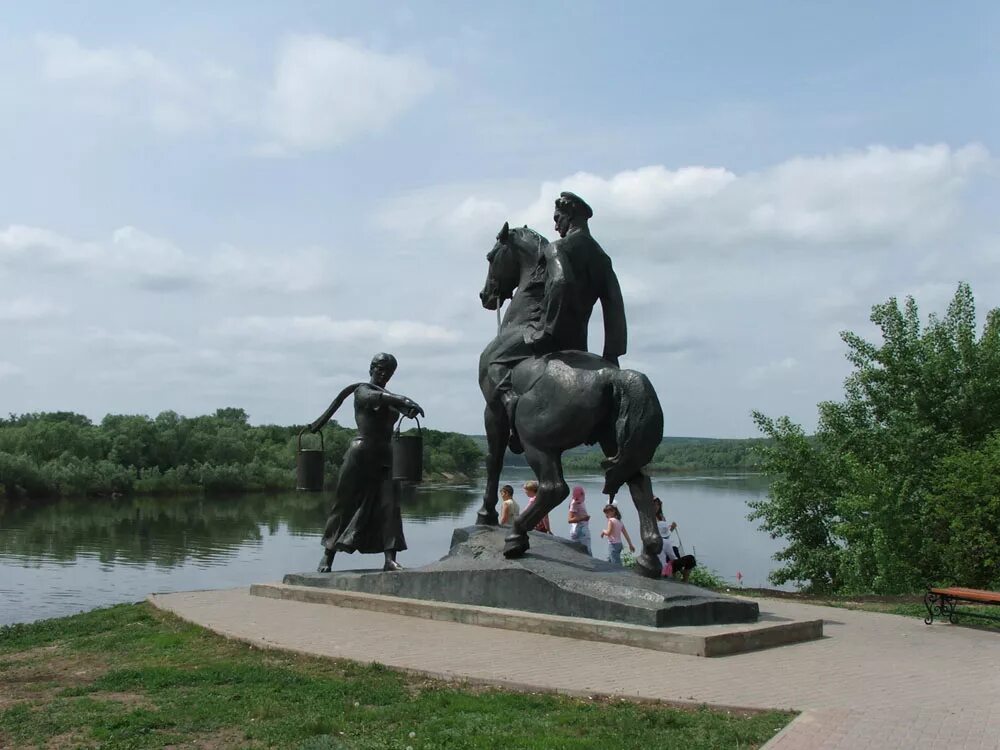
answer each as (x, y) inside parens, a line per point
(638, 428)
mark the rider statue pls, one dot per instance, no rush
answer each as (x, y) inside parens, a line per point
(365, 515)
(577, 273)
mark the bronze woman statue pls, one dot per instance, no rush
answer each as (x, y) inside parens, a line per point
(365, 515)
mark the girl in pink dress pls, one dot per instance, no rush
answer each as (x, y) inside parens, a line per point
(614, 533)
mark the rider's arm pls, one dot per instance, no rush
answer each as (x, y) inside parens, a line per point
(613, 308)
(557, 281)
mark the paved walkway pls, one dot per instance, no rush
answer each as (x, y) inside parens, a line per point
(874, 681)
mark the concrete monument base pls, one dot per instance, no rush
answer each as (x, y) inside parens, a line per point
(556, 577)
(693, 640)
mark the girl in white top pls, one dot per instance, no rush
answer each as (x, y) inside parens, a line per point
(667, 554)
(579, 519)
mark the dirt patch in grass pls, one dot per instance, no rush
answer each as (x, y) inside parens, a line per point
(132, 700)
(224, 739)
(32, 653)
(68, 740)
(41, 673)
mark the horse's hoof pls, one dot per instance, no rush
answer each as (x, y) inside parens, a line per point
(516, 545)
(648, 566)
(487, 518)
(325, 563)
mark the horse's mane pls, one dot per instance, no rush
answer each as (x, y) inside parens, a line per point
(529, 236)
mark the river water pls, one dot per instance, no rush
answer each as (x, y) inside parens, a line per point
(64, 557)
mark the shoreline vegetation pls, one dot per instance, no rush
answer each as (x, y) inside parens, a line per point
(899, 487)
(675, 455)
(132, 677)
(51, 455)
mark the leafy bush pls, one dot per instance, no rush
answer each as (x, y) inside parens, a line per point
(897, 489)
(707, 578)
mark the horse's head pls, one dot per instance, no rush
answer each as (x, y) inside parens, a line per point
(515, 250)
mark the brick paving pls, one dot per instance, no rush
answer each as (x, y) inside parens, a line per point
(874, 680)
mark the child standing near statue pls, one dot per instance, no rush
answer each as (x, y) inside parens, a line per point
(670, 558)
(531, 490)
(508, 507)
(579, 519)
(614, 533)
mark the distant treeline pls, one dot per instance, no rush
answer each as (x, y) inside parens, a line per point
(685, 454)
(61, 454)
(674, 454)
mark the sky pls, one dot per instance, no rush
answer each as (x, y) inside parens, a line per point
(238, 204)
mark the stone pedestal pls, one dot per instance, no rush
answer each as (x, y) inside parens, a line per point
(556, 577)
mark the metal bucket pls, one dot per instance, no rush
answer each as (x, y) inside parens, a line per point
(408, 455)
(309, 467)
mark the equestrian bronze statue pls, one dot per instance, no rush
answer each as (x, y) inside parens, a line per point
(545, 393)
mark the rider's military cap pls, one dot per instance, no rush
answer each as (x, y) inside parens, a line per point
(576, 202)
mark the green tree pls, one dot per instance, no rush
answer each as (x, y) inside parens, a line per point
(963, 516)
(855, 503)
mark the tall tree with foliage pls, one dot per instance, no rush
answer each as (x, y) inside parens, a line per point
(871, 503)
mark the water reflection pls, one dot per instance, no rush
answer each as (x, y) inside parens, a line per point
(61, 557)
(162, 531)
(430, 503)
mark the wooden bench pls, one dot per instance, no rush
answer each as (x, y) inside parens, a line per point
(942, 601)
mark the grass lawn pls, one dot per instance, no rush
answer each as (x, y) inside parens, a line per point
(133, 677)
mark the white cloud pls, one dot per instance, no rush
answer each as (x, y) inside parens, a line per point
(317, 329)
(65, 59)
(7, 369)
(878, 195)
(772, 370)
(322, 91)
(298, 270)
(132, 81)
(139, 257)
(144, 260)
(28, 309)
(130, 341)
(327, 91)
(33, 245)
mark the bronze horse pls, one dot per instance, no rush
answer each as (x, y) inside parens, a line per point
(565, 399)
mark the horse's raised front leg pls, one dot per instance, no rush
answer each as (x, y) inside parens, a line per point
(648, 562)
(552, 490)
(497, 431)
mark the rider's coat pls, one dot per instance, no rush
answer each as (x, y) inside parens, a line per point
(578, 273)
